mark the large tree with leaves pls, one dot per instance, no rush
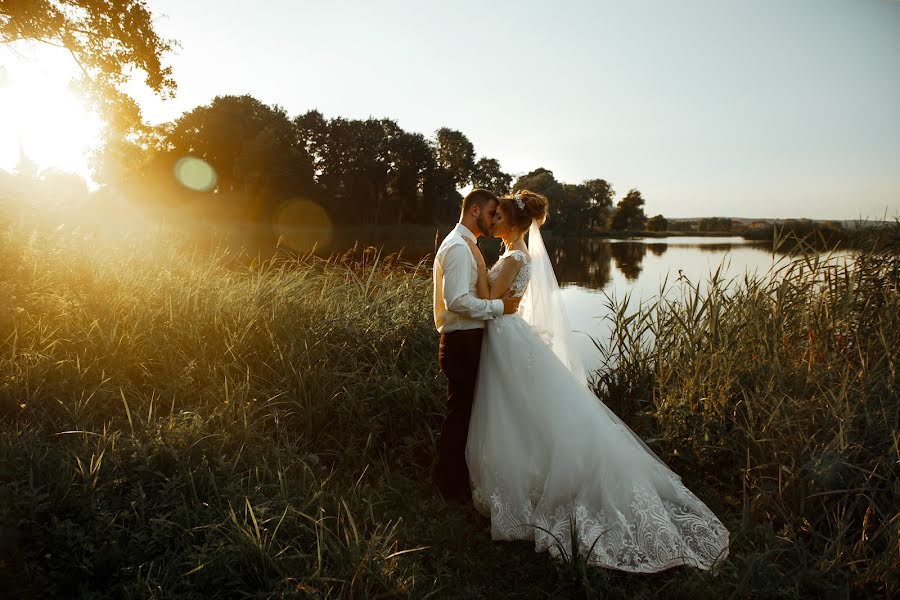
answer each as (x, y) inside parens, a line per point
(108, 39)
(411, 163)
(629, 214)
(657, 223)
(251, 146)
(359, 165)
(455, 161)
(600, 195)
(488, 174)
(456, 154)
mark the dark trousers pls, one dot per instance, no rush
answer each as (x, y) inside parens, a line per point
(459, 354)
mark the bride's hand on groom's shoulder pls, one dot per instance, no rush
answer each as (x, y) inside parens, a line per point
(476, 252)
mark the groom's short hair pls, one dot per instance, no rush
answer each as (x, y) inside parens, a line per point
(478, 196)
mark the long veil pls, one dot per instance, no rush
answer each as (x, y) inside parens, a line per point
(542, 307)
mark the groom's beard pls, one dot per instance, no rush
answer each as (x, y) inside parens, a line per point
(485, 227)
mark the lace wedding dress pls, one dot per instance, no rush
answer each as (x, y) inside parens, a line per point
(548, 459)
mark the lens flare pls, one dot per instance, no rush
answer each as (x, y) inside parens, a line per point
(303, 225)
(195, 174)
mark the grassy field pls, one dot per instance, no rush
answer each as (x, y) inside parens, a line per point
(185, 423)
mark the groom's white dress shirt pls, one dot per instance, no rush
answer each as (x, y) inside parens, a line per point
(456, 304)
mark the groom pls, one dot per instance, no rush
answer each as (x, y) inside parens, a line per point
(459, 315)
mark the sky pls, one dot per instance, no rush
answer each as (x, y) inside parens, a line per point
(743, 108)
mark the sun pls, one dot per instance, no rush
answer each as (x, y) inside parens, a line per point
(41, 115)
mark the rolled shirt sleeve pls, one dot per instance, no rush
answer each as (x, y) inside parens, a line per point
(457, 287)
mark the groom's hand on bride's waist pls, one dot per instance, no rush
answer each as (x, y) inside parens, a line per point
(510, 304)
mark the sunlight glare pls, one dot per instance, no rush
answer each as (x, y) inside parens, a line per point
(42, 116)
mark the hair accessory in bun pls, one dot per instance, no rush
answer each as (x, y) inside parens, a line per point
(519, 202)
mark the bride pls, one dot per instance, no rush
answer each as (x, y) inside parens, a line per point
(547, 459)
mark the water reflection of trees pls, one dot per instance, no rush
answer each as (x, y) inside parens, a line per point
(657, 249)
(584, 262)
(628, 257)
(581, 262)
(715, 247)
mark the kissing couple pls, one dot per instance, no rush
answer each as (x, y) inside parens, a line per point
(524, 436)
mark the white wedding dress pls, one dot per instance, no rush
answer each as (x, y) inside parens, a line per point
(547, 458)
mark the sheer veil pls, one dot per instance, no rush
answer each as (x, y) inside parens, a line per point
(542, 306)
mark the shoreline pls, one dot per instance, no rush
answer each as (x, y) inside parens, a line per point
(428, 232)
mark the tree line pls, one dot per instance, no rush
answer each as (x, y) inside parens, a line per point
(362, 171)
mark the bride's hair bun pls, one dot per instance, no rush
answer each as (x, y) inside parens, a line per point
(523, 207)
(535, 206)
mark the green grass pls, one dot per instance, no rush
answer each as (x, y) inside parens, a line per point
(178, 422)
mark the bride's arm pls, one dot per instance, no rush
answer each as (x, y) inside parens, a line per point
(504, 279)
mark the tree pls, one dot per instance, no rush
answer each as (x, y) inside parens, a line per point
(455, 154)
(364, 146)
(574, 208)
(373, 171)
(629, 214)
(572, 214)
(599, 197)
(657, 223)
(311, 131)
(269, 163)
(119, 158)
(411, 160)
(352, 163)
(251, 146)
(108, 39)
(487, 174)
(442, 198)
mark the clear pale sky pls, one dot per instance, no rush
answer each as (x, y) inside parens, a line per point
(751, 108)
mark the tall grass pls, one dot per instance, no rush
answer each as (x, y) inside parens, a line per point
(178, 421)
(780, 393)
(172, 420)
